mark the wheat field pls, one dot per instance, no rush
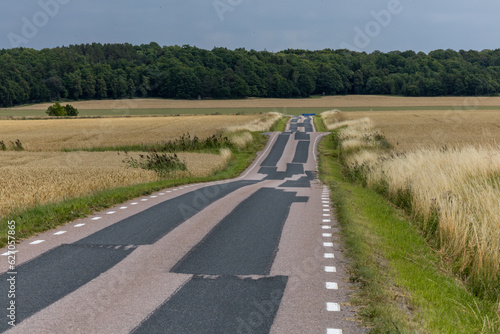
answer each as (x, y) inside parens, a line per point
(58, 134)
(408, 130)
(31, 178)
(453, 191)
(43, 173)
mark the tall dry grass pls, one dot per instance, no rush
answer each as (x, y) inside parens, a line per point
(452, 194)
(262, 123)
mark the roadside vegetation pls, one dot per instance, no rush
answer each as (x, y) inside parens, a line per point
(442, 225)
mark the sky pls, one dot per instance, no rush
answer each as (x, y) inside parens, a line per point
(272, 25)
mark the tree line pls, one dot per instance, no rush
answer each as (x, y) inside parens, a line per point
(114, 71)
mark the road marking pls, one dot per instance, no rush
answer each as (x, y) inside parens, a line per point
(326, 215)
(144, 200)
(36, 242)
(324, 210)
(153, 196)
(326, 205)
(329, 256)
(124, 207)
(175, 189)
(261, 156)
(135, 203)
(332, 307)
(96, 218)
(328, 244)
(60, 232)
(327, 235)
(332, 286)
(325, 202)
(327, 220)
(78, 225)
(110, 212)
(161, 194)
(326, 227)
(333, 331)
(9, 253)
(169, 191)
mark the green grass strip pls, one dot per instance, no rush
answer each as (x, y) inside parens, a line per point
(42, 218)
(319, 124)
(404, 287)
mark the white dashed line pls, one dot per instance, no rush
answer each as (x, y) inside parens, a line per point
(327, 220)
(327, 235)
(9, 253)
(96, 218)
(333, 331)
(175, 189)
(169, 191)
(79, 225)
(330, 269)
(328, 244)
(124, 207)
(329, 256)
(153, 196)
(36, 242)
(332, 307)
(325, 205)
(110, 212)
(135, 203)
(325, 202)
(326, 227)
(60, 232)
(324, 210)
(161, 194)
(326, 215)
(144, 200)
(332, 286)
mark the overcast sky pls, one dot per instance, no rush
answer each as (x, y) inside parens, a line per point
(274, 25)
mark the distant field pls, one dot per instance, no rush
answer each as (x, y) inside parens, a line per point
(7, 113)
(128, 107)
(408, 130)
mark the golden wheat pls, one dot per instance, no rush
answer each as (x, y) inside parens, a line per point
(57, 134)
(408, 130)
(460, 187)
(31, 178)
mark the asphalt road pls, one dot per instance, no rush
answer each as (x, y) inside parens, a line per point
(257, 254)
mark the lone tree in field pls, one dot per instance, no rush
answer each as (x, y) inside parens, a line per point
(58, 110)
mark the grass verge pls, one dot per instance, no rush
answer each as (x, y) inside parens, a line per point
(404, 287)
(45, 217)
(319, 124)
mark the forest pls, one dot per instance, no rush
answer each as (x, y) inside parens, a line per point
(115, 71)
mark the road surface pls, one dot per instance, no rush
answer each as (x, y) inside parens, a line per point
(256, 254)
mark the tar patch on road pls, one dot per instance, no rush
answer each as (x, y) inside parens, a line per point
(57, 273)
(277, 151)
(220, 305)
(301, 152)
(149, 226)
(245, 242)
